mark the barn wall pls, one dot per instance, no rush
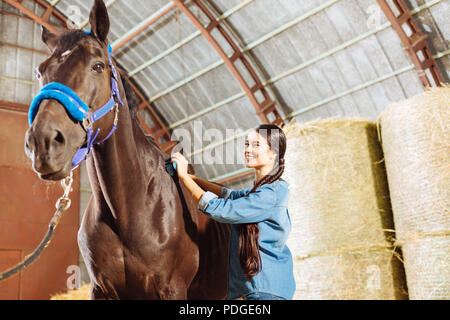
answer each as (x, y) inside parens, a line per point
(26, 207)
(27, 203)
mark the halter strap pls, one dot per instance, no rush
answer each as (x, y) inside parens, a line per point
(84, 152)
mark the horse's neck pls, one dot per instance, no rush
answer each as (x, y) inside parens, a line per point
(121, 168)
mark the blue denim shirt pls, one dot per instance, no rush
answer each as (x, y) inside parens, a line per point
(268, 207)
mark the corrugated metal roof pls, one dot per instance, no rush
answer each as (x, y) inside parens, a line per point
(317, 58)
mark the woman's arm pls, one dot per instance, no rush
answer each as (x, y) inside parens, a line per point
(196, 191)
(187, 179)
(206, 185)
(197, 185)
(255, 207)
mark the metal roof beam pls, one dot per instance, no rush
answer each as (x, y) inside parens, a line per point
(134, 32)
(15, 46)
(49, 8)
(186, 40)
(245, 49)
(362, 86)
(299, 67)
(281, 76)
(235, 175)
(17, 15)
(42, 20)
(240, 173)
(414, 43)
(264, 108)
(325, 101)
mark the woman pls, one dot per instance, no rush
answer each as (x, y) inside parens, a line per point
(260, 263)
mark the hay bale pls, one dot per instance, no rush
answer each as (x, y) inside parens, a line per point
(415, 135)
(82, 293)
(340, 211)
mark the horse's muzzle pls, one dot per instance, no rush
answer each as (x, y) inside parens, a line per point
(46, 146)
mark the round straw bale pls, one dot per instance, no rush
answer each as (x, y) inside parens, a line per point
(340, 211)
(415, 135)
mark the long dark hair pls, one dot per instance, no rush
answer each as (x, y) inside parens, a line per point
(249, 255)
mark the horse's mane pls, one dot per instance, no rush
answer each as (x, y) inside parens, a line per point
(133, 103)
(132, 100)
(69, 39)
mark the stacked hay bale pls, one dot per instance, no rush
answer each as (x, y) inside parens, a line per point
(340, 210)
(415, 136)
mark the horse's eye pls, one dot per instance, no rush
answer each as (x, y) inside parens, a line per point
(98, 67)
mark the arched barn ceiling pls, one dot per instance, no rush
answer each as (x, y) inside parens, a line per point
(315, 59)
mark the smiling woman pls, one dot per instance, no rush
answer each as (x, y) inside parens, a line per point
(260, 264)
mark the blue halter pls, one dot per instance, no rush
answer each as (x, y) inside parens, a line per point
(79, 110)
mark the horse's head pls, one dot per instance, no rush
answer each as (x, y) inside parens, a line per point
(80, 62)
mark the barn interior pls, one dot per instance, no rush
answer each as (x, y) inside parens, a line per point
(205, 72)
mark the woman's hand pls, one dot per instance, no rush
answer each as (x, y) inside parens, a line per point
(182, 171)
(182, 164)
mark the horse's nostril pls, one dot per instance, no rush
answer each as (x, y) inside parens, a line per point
(59, 137)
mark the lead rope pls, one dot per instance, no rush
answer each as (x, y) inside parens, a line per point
(62, 204)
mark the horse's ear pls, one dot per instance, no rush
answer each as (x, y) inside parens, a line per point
(99, 20)
(48, 38)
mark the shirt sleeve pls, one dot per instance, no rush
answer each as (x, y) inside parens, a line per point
(227, 193)
(255, 207)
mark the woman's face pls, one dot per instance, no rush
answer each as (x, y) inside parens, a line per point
(257, 151)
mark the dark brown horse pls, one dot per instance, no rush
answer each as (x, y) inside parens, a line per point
(142, 236)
